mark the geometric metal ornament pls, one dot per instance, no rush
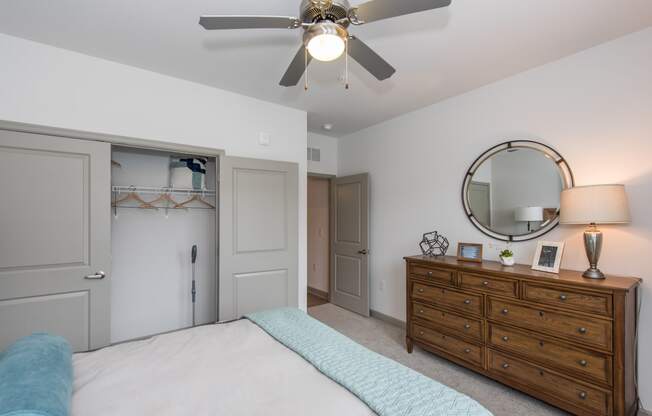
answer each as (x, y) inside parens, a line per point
(434, 244)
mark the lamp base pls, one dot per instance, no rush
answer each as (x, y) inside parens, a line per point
(593, 246)
(594, 274)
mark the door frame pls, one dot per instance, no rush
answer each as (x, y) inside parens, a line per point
(330, 250)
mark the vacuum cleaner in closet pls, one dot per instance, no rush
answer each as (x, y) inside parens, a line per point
(194, 289)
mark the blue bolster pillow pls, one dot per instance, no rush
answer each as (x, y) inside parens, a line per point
(36, 377)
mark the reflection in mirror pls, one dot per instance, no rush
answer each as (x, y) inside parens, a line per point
(516, 191)
(513, 190)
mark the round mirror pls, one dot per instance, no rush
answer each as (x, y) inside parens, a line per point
(511, 192)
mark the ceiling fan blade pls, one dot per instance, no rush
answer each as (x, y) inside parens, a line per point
(249, 22)
(383, 9)
(296, 69)
(369, 59)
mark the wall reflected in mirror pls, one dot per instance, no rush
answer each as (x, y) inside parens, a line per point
(516, 191)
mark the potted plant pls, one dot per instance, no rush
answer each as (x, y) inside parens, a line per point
(507, 257)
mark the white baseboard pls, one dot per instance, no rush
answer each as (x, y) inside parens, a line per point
(319, 293)
(388, 319)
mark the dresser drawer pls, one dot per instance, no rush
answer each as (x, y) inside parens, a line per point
(466, 326)
(495, 285)
(461, 349)
(581, 301)
(589, 331)
(592, 399)
(595, 366)
(448, 298)
(428, 273)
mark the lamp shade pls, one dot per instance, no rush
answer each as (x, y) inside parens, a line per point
(524, 214)
(596, 204)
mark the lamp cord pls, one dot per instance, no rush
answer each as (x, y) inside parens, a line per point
(639, 306)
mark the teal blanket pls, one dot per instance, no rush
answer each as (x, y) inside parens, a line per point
(36, 377)
(387, 387)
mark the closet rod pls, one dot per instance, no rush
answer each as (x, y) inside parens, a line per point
(149, 190)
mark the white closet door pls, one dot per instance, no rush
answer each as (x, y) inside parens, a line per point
(55, 232)
(258, 236)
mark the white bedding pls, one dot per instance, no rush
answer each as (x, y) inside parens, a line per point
(230, 369)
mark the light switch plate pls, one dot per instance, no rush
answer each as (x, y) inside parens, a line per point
(264, 139)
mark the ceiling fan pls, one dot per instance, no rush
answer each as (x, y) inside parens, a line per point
(325, 26)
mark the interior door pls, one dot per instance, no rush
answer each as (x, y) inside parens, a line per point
(480, 200)
(258, 236)
(350, 243)
(55, 233)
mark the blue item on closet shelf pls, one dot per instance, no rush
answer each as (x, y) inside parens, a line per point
(36, 377)
(188, 173)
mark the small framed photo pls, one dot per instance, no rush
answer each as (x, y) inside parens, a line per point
(469, 252)
(547, 258)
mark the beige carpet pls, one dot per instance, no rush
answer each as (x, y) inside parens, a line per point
(388, 340)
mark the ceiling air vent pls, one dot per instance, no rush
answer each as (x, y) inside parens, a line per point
(314, 154)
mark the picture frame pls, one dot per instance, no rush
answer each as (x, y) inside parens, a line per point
(547, 257)
(470, 252)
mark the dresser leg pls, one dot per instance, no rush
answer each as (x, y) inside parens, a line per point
(408, 343)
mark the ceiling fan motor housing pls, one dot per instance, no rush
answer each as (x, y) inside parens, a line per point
(312, 13)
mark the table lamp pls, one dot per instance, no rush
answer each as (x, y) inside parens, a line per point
(529, 215)
(593, 205)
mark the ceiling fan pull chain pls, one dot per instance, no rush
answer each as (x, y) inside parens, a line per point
(346, 62)
(305, 63)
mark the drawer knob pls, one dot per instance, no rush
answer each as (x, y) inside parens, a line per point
(420, 290)
(485, 283)
(467, 302)
(421, 333)
(420, 310)
(505, 338)
(582, 330)
(505, 366)
(430, 274)
(504, 311)
(467, 351)
(583, 395)
(467, 326)
(583, 363)
(563, 297)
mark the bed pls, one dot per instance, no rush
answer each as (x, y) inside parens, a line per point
(279, 362)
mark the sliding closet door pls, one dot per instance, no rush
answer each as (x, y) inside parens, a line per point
(54, 238)
(258, 236)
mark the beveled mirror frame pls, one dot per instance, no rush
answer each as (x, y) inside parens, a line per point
(565, 172)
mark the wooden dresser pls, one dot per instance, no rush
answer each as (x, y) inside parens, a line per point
(561, 338)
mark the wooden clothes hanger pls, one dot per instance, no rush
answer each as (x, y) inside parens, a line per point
(164, 197)
(197, 198)
(135, 197)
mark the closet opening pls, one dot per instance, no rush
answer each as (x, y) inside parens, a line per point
(162, 204)
(319, 259)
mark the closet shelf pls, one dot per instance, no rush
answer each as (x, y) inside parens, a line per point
(166, 198)
(150, 190)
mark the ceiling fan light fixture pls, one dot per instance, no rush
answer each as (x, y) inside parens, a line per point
(325, 41)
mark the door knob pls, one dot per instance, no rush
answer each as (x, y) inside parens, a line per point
(97, 276)
(363, 252)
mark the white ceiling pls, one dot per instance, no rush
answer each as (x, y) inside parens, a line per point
(438, 54)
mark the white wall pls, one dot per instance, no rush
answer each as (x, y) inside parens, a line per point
(328, 146)
(48, 86)
(594, 107)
